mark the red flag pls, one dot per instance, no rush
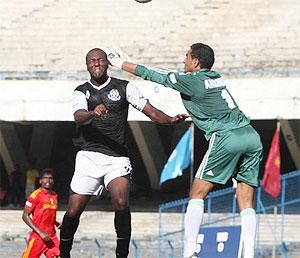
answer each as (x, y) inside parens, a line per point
(272, 180)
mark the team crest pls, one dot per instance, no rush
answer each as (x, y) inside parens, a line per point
(114, 95)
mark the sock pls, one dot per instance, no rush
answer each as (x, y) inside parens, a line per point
(67, 231)
(248, 231)
(192, 221)
(123, 229)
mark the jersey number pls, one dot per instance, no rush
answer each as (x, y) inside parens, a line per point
(227, 97)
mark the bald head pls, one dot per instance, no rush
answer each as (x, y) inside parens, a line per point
(93, 51)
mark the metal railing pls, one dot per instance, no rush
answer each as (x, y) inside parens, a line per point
(221, 207)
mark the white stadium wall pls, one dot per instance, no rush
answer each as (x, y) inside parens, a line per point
(40, 100)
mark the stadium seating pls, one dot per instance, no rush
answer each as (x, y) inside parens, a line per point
(48, 39)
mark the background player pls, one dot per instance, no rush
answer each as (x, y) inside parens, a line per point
(100, 110)
(42, 205)
(235, 148)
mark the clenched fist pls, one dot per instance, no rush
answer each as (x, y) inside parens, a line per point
(100, 110)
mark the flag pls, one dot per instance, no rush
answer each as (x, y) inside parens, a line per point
(271, 179)
(179, 159)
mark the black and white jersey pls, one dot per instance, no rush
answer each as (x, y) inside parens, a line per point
(106, 134)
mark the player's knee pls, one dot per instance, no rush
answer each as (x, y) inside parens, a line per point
(197, 194)
(121, 204)
(73, 213)
(200, 189)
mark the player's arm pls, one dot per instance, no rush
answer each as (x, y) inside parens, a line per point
(160, 117)
(138, 101)
(83, 116)
(80, 109)
(129, 67)
(182, 82)
(27, 219)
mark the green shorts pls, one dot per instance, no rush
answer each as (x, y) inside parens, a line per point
(236, 153)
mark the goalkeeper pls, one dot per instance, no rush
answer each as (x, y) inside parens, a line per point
(235, 148)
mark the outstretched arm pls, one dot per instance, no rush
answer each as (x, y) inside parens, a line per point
(160, 117)
(129, 67)
(182, 82)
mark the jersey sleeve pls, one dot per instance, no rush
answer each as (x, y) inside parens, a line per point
(31, 201)
(135, 97)
(79, 101)
(186, 83)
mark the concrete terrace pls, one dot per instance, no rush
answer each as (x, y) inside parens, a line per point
(48, 39)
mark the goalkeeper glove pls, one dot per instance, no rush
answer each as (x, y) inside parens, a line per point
(114, 58)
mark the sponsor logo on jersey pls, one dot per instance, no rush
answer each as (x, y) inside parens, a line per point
(49, 206)
(87, 94)
(114, 95)
(52, 205)
(210, 173)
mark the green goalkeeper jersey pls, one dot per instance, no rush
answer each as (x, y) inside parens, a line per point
(204, 95)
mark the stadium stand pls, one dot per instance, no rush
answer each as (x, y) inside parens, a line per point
(47, 39)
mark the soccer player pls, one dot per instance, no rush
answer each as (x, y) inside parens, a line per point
(235, 148)
(100, 109)
(42, 205)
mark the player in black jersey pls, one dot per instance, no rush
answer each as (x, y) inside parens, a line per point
(100, 109)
